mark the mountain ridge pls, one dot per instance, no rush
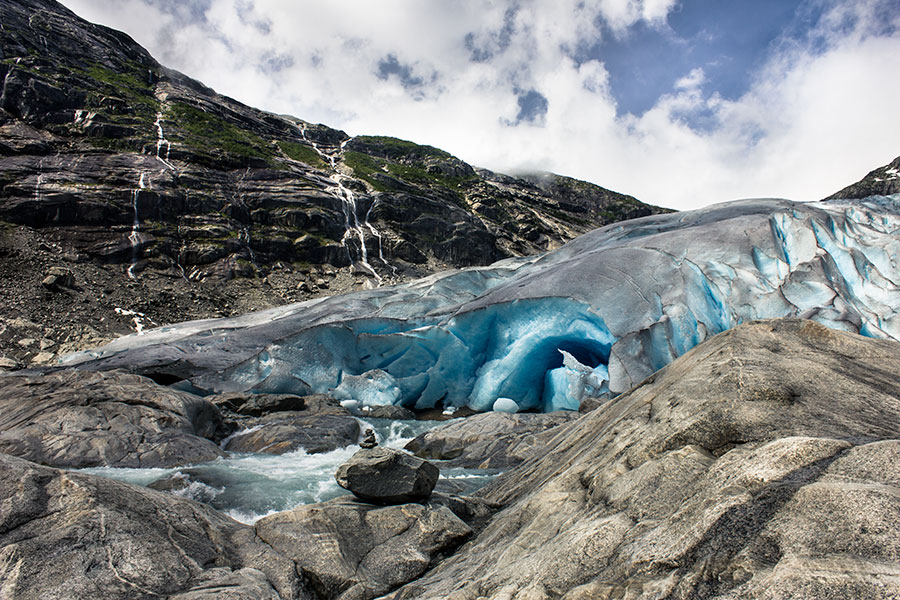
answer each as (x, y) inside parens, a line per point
(882, 181)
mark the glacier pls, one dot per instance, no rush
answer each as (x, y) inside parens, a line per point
(590, 319)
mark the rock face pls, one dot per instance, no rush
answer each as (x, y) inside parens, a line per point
(489, 440)
(883, 181)
(67, 535)
(80, 419)
(354, 551)
(96, 136)
(387, 476)
(758, 465)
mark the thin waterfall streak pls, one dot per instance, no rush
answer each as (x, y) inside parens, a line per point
(135, 236)
(40, 180)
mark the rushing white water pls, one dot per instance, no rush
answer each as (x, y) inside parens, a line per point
(248, 486)
(354, 231)
(135, 236)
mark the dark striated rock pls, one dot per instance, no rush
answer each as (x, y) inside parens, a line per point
(256, 405)
(758, 465)
(279, 433)
(391, 411)
(78, 419)
(58, 277)
(68, 535)
(387, 476)
(489, 440)
(362, 551)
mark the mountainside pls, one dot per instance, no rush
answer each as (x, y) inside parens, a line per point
(883, 181)
(126, 185)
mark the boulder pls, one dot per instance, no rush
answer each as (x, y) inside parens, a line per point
(489, 440)
(256, 405)
(761, 464)
(89, 419)
(351, 550)
(279, 433)
(390, 411)
(387, 476)
(58, 277)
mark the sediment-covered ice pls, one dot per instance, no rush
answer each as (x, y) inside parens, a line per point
(589, 319)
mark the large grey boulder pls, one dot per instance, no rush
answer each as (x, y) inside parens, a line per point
(489, 440)
(387, 476)
(258, 405)
(88, 419)
(70, 535)
(762, 464)
(289, 431)
(350, 550)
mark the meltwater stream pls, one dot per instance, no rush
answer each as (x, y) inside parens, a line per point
(249, 486)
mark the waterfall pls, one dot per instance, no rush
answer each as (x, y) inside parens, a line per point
(162, 141)
(354, 230)
(135, 236)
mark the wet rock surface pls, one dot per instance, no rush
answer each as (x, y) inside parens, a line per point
(758, 465)
(256, 405)
(387, 476)
(79, 419)
(489, 440)
(280, 423)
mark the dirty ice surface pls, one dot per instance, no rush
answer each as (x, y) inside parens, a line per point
(589, 319)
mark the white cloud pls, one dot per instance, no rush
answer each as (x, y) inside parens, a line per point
(692, 80)
(819, 115)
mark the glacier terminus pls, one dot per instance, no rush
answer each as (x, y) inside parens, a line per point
(590, 319)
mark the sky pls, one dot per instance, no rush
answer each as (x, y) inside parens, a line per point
(681, 103)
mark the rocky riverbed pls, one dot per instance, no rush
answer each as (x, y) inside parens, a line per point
(757, 465)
